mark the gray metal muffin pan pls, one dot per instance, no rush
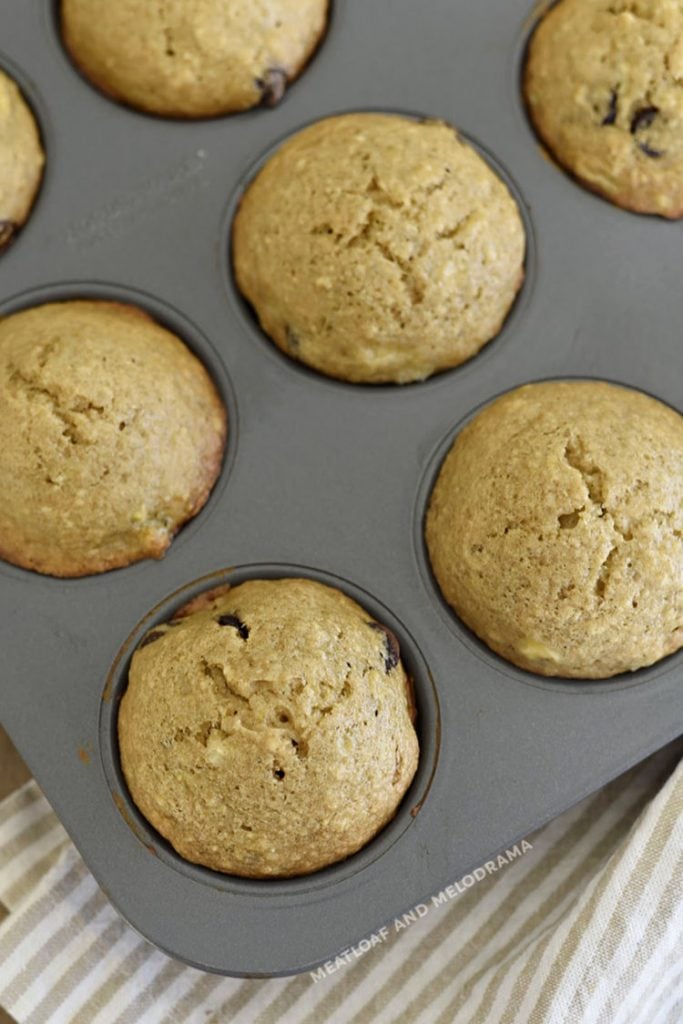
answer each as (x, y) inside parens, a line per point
(323, 478)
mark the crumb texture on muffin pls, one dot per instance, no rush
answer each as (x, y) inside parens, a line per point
(376, 248)
(555, 528)
(193, 58)
(604, 87)
(21, 159)
(269, 730)
(111, 437)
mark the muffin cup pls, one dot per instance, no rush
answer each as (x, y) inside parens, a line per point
(427, 725)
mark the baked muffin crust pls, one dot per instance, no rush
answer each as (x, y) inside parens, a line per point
(376, 248)
(21, 159)
(555, 528)
(268, 732)
(111, 437)
(193, 58)
(604, 88)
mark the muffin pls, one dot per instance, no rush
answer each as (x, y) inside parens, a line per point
(184, 59)
(603, 88)
(268, 730)
(377, 248)
(555, 529)
(21, 159)
(111, 437)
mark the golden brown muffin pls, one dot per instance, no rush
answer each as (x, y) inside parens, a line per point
(555, 528)
(111, 437)
(269, 731)
(21, 159)
(193, 58)
(377, 248)
(604, 87)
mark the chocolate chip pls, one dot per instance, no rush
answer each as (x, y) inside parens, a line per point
(611, 114)
(156, 634)
(392, 648)
(293, 343)
(278, 773)
(643, 118)
(649, 151)
(272, 86)
(232, 620)
(7, 229)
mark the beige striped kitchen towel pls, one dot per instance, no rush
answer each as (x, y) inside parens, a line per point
(581, 925)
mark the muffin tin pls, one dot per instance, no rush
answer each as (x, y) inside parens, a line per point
(322, 478)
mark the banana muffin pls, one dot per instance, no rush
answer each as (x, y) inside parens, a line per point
(377, 248)
(180, 58)
(603, 85)
(555, 529)
(111, 437)
(267, 730)
(21, 159)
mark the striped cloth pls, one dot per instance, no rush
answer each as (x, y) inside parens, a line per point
(584, 928)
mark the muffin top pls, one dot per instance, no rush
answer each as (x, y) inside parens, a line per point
(192, 58)
(604, 87)
(111, 437)
(376, 248)
(21, 159)
(268, 732)
(555, 528)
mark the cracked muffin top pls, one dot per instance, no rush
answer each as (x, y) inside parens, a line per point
(268, 729)
(193, 58)
(555, 529)
(376, 248)
(604, 88)
(111, 437)
(21, 159)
